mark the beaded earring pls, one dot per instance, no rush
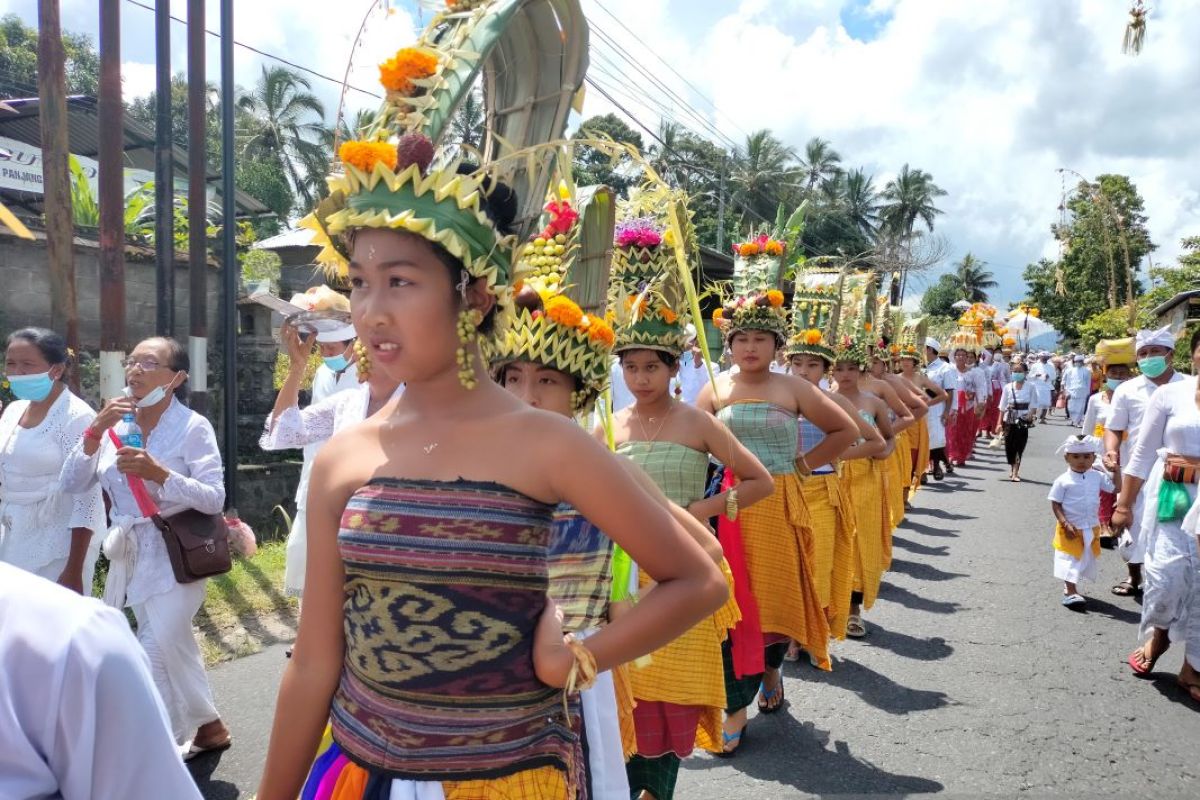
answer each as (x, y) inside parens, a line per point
(362, 363)
(469, 320)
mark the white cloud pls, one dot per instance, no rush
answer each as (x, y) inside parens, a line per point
(137, 79)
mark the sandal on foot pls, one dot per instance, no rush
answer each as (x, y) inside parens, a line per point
(194, 750)
(1126, 589)
(855, 628)
(792, 654)
(728, 739)
(768, 695)
(1193, 689)
(1140, 663)
(1075, 602)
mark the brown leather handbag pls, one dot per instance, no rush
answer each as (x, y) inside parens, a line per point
(197, 543)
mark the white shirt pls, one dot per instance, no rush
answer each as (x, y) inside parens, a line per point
(971, 382)
(692, 378)
(320, 421)
(183, 442)
(1079, 495)
(1095, 419)
(1038, 371)
(80, 718)
(1171, 423)
(1077, 380)
(1051, 371)
(1129, 406)
(326, 383)
(1015, 394)
(36, 516)
(1000, 373)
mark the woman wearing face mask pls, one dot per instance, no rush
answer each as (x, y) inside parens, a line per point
(43, 529)
(1095, 422)
(1018, 402)
(180, 465)
(338, 401)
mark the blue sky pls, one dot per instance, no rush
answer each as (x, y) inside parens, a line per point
(990, 98)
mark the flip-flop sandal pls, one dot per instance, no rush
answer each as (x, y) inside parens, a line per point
(769, 695)
(194, 752)
(1126, 589)
(728, 739)
(855, 628)
(1074, 601)
(793, 654)
(1136, 664)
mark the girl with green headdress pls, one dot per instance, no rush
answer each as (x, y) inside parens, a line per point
(428, 643)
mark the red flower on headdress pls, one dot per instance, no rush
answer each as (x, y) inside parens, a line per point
(562, 217)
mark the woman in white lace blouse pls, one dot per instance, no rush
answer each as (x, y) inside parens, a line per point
(181, 468)
(43, 529)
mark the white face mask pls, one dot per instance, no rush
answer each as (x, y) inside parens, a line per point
(156, 396)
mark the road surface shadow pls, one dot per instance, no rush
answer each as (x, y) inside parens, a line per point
(875, 689)
(1104, 608)
(927, 530)
(808, 763)
(906, 646)
(939, 513)
(919, 549)
(923, 572)
(202, 769)
(1168, 686)
(898, 594)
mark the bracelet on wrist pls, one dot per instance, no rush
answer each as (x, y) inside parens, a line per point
(93, 434)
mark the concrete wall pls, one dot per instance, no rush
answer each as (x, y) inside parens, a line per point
(25, 292)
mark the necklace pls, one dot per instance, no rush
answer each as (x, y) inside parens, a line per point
(647, 437)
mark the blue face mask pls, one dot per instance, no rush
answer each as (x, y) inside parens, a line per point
(1112, 384)
(1019, 377)
(1153, 367)
(337, 363)
(33, 388)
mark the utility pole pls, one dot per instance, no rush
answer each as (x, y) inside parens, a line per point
(164, 176)
(60, 227)
(112, 204)
(229, 263)
(721, 207)
(197, 208)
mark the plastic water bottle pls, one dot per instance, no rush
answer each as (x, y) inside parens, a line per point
(129, 432)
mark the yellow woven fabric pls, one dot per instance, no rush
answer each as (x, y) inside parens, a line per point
(689, 671)
(544, 783)
(831, 520)
(1074, 547)
(899, 468)
(625, 704)
(779, 555)
(863, 482)
(922, 447)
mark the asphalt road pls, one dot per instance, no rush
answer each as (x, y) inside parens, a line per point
(973, 681)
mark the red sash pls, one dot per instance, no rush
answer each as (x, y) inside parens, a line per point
(746, 639)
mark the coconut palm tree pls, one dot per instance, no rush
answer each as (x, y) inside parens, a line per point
(971, 279)
(281, 123)
(820, 163)
(908, 198)
(763, 175)
(860, 201)
(466, 126)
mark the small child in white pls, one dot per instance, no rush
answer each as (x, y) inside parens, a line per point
(1075, 501)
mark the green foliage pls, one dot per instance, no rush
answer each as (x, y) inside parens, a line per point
(18, 60)
(283, 364)
(260, 265)
(940, 298)
(85, 209)
(1111, 323)
(971, 279)
(85, 206)
(145, 111)
(594, 167)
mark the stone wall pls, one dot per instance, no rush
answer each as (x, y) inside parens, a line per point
(263, 487)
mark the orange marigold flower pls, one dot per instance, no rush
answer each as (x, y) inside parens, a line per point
(812, 336)
(747, 249)
(718, 316)
(867, 327)
(774, 248)
(775, 298)
(668, 316)
(563, 310)
(601, 333)
(398, 72)
(365, 155)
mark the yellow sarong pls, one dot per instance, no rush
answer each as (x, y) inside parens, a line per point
(831, 520)
(922, 448)
(779, 556)
(863, 481)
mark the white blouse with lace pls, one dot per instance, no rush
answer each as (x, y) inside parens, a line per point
(320, 421)
(184, 443)
(36, 514)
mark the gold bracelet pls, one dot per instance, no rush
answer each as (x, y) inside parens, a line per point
(802, 467)
(731, 505)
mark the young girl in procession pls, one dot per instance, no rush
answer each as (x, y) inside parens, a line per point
(1115, 364)
(1018, 404)
(968, 394)
(863, 479)
(289, 427)
(428, 641)
(827, 500)
(680, 693)
(763, 409)
(905, 407)
(934, 395)
(1075, 502)
(938, 372)
(44, 530)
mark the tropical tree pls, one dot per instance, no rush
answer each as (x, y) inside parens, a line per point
(466, 126)
(819, 164)
(597, 167)
(860, 201)
(764, 176)
(18, 60)
(281, 125)
(908, 198)
(971, 280)
(939, 299)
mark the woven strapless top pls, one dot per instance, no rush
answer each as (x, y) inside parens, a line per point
(680, 471)
(767, 430)
(580, 570)
(445, 583)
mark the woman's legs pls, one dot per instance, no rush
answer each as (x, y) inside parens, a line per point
(1015, 441)
(165, 632)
